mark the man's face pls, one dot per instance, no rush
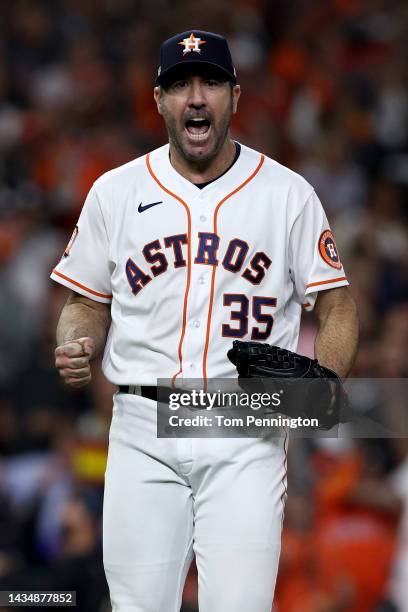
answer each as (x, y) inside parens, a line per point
(197, 109)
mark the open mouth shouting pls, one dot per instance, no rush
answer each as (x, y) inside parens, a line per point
(198, 129)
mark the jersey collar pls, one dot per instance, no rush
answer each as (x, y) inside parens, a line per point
(168, 175)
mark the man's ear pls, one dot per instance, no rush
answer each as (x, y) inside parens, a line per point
(157, 93)
(236, 92)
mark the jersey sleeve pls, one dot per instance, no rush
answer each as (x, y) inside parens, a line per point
(314, 260)
(84, 265)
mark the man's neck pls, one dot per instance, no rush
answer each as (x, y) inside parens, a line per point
(197, 172)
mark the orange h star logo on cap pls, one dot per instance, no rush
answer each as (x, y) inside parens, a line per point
(192, 44)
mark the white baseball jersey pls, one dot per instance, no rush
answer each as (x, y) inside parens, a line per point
(189, 270)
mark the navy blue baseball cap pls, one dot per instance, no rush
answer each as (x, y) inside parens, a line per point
(195, 47)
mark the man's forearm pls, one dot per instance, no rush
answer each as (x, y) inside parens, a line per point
(78, 319)
(337, 338)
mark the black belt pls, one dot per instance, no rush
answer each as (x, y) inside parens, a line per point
(149, 391)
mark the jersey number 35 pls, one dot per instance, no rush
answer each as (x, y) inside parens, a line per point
(259, 306)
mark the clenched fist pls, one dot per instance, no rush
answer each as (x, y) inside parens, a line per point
(72, 361)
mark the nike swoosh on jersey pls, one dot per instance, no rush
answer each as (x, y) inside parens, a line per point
(142, 208)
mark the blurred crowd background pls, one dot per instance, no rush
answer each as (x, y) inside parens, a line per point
(325, 91)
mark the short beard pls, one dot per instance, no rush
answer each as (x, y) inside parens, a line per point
(220, 132)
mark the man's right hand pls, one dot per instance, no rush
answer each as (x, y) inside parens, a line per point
(72, 361)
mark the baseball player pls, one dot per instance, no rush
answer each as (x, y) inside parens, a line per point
(176, 255)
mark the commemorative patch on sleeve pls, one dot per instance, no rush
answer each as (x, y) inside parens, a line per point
(71, 242)
(328, 250)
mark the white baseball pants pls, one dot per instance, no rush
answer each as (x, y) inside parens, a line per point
(165, 499)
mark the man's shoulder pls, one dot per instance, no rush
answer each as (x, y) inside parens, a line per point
(278, 175)
(130, 172)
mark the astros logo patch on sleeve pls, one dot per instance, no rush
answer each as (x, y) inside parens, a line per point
(328, 250)
(71, 242)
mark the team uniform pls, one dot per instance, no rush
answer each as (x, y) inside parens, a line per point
(186, 271)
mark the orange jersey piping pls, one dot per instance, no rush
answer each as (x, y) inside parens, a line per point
(210, 307)
(326, 282)
(70, 280)
(187, 289)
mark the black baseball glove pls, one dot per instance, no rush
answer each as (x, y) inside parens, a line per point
(307, 389)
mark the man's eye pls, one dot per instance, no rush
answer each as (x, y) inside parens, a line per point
(212, 82)
(179, 84)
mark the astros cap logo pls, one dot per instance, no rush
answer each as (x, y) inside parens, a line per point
(192, 44)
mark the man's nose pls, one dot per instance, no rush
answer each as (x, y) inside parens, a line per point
(197, 97)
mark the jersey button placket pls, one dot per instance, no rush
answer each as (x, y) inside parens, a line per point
(198, 303)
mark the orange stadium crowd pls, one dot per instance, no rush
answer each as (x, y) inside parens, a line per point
(325, 91)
